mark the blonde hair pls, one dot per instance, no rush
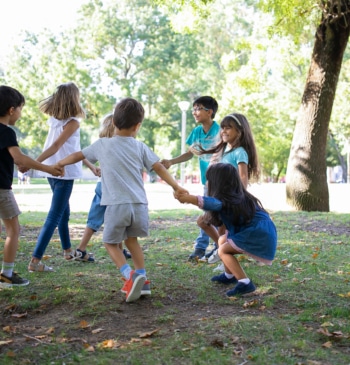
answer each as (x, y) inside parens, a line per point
(107, 126)
(64, 103)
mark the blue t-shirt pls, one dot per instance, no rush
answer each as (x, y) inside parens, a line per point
(235, 157)
(206, 140)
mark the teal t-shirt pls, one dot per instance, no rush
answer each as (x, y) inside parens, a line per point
(206, 140)
(235, 156)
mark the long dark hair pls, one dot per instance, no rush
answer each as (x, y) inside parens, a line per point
(225, 185)
(245, 139)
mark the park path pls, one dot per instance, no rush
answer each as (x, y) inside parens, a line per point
(38, 197)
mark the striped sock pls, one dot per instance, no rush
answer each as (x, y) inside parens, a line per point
(7, 268)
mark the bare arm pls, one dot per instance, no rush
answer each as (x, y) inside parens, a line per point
(182, 158)
(72, 158)
(163, 173)
(95, 169)
(243, 173)
(68, 130)
(187, 198)
(24, 162)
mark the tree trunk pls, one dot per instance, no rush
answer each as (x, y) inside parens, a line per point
(306, 186)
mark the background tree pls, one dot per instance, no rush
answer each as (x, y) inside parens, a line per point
(232, 50)
(307, 187)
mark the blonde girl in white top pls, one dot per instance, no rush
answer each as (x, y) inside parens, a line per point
(65, 111)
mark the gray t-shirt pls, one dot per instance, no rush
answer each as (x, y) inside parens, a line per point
(122, 161)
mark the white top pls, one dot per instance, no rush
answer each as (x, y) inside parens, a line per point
(70, 146)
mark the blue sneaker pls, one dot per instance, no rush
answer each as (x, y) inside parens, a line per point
(222, 279)
(241, 289)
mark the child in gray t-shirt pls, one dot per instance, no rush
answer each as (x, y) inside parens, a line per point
(122, 160)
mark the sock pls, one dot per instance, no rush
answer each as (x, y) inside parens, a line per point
(125, 271)
(229, 276)
(245, 281)
(7, 268)
(141, 271)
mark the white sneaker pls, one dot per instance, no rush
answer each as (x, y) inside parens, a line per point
(220, 268)
(214, 257)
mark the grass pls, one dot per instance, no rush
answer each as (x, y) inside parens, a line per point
(299, 315)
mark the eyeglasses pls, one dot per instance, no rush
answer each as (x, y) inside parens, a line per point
(194, 110)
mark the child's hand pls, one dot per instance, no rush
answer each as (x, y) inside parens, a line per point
(181, 196)
(56, 170)
(96, 171)
(165, 163)
(22, 169)
(180, 191)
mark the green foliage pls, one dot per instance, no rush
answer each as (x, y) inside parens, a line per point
(162, 52)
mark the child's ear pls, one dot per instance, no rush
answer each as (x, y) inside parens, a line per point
(137, 127)
(11, 110)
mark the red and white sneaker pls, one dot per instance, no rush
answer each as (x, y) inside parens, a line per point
(132, 287)
(146, 289)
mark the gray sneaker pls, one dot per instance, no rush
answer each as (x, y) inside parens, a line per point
(197, 254)
(15, 280)
(146, 289)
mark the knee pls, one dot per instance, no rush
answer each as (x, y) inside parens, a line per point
(200, 222)
(220, 251)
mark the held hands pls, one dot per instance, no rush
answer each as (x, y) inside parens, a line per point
(56, 170)
(96, 171)
(182, 195)
(22, 169)
(165, 163)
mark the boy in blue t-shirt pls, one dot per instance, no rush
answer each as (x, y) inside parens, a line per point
(206, 135)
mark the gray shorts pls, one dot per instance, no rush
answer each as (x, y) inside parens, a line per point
(125, 220)
(8, 205)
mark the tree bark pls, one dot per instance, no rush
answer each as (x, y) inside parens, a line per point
(306, 178)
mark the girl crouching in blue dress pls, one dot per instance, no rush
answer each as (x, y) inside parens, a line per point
(249, 228)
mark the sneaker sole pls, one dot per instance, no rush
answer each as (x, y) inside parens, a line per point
(246, 294)
(135, 292)
(145, 292)
(8, 285)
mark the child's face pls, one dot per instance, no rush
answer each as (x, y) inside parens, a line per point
(15, 114)
(201, 114)
(229, 134)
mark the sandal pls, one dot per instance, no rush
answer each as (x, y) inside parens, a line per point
(84, 256)
(39, 267)
(71, 255)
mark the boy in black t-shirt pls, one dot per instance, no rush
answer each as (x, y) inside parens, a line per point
(11, 104)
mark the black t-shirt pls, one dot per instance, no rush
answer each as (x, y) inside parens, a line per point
(7, 139)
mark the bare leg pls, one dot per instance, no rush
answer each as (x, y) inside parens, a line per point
(232, 266)
(210, 230)
(136, 252)
(116, 254)
(88, 233)
(12, 235)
